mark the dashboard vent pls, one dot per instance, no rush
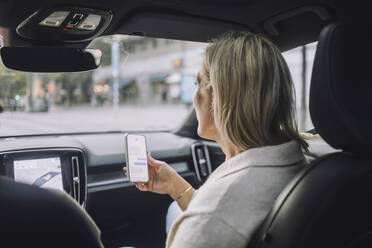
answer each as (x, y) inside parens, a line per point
(75, 178)
(202, 161)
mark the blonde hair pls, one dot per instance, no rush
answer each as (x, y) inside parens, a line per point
(253, 93)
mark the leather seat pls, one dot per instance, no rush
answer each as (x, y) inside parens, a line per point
(35, 217)
(329, 204)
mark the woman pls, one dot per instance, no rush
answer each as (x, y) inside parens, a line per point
(244, 101)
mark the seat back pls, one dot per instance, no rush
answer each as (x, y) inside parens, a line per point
(329, 203)
(35, 217)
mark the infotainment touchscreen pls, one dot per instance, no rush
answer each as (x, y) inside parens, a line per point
(44, 172)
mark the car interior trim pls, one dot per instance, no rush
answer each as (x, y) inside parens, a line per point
(197, 161)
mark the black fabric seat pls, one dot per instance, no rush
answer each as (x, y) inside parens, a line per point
(34, 217)
(329, 204)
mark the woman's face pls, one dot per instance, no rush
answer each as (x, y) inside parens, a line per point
(204, 112)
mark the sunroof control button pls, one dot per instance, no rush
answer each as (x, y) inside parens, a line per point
(75, 19)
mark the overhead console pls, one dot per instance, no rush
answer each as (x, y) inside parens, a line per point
(64, 24)
(57, 169)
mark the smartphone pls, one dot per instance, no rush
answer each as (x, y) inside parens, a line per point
(136, 158)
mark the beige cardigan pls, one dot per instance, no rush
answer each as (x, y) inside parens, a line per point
(235, 199)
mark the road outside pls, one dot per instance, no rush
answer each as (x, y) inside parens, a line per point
(92, 119)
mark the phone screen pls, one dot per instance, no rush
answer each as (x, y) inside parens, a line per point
(137, 158)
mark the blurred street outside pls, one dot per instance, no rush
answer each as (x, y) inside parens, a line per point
(93, 119)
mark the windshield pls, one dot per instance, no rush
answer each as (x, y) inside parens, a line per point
(142, 84)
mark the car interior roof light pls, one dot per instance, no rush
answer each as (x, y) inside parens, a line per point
(55, 19)
(90, 23)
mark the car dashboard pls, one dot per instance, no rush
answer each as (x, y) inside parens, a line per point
(89, 167)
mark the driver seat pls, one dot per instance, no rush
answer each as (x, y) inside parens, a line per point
(329, 204)
(35, 217)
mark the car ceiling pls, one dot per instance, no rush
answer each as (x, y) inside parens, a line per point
(199, 20)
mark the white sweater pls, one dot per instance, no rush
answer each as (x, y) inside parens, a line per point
(236, 198)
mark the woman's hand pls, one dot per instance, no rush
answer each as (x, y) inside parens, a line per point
(163, 179)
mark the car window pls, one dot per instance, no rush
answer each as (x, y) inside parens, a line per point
(300, 62)
(142, 84)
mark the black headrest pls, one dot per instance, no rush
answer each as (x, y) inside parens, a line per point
(35, 217)
(341, 88)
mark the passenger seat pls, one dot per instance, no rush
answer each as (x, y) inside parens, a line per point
(329, 204)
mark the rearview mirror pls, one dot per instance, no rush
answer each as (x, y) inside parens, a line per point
(50, 59)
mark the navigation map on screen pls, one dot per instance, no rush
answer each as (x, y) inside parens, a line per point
(45, 172)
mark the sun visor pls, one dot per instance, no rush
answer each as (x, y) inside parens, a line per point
(311, 18)
(167, 25)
